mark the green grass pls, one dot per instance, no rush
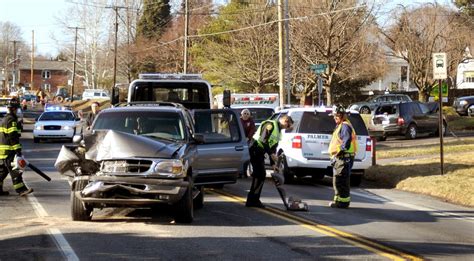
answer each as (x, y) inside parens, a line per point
(450, 146)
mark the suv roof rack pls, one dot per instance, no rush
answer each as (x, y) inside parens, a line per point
(169, 76)
(149, 103)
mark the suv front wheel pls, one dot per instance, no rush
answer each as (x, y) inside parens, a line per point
(185, 207)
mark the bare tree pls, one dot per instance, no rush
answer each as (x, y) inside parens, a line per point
(422, 31)
(337, 33)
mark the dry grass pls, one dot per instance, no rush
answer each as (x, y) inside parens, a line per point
(423, 176)
(449, 146)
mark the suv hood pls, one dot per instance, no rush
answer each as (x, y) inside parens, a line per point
(104, 145)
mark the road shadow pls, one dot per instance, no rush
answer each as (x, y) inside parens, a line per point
(202, 246)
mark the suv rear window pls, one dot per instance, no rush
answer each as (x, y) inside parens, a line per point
(389, 109)
(323, 123)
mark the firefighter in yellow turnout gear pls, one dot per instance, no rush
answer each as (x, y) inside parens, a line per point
(342, 150)
(265, 141)
(10, 150)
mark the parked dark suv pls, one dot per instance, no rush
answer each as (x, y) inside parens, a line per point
(407, 119)
(464, 105)
(143, 155)
(372, 103)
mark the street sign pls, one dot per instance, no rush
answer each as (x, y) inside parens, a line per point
(318, 68)
(440, 71)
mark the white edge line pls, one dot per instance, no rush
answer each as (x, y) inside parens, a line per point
(415, 207)
(55, 233)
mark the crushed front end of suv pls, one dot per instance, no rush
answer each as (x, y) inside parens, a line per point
(141, 156)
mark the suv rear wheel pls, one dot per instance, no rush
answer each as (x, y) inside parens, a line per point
(411, 132)
(287, 173)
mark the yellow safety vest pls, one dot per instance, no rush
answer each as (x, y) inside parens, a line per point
(336, 141)
(274, 136)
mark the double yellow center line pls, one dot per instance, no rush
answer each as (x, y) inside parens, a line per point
(352, 239)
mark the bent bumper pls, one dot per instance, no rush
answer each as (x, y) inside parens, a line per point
(131, 191)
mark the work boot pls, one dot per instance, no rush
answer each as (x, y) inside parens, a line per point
(338, 205)
(254, 204)
(25, 192)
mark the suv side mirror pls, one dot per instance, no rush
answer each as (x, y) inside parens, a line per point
(77, 138)
(199, 138)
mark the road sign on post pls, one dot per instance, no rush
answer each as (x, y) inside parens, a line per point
(318, 68)
(440, 70)
(440, 73)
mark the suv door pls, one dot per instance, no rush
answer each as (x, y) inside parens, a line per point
(225, 150)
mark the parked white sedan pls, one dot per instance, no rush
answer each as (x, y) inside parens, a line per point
(57, 123)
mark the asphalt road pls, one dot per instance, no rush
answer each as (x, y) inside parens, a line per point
(381, 224)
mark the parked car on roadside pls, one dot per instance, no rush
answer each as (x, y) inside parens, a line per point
(95, 94)
(409, 119)
(371, 103)
(305, 147)
(148, 154)
(464, 105)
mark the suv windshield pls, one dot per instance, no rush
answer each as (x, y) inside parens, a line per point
(323, 123)
(159, 125)
(258, 114)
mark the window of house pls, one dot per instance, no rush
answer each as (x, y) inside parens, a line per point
(46, 74)
(46, 87)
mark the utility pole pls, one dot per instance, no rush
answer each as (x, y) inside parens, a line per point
(287, 50)
(32, 58)
(281, 54)
(116, 8)
(74, 61)
(14, 73)
(186, 31)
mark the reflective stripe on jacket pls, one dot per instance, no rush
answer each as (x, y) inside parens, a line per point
(9, 136)
(336, 141)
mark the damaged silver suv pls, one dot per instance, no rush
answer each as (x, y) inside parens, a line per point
(148, 154)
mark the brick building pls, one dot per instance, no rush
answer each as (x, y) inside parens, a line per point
(47, 75)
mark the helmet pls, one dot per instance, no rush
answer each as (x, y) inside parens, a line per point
(338, 109)
(13, 103)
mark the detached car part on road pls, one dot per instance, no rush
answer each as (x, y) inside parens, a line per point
(143, 155)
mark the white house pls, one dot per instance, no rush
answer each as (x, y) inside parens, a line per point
(465, 74)
(395, 78)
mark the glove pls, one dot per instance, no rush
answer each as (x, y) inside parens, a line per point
(19, 163)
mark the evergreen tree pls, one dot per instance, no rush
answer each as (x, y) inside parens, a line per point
(155, 17)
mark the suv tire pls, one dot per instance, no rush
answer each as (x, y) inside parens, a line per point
(356, 179)
(365, 110)
(411, 132)
(287, 173)
(199, 199)
(79, 210)
(184, 212)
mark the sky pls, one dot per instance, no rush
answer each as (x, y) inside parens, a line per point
(39, 15)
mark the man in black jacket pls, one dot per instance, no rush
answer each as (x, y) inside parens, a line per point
(10, 151)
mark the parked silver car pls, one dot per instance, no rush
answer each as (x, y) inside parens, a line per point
(369, 105)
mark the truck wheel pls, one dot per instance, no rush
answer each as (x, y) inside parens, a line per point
(356, 179)
(79, 210)
(184, 208)
(199, 199)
